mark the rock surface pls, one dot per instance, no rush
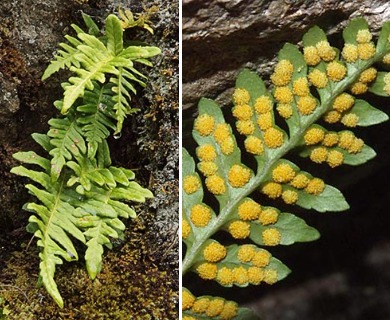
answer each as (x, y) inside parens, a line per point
(222, 37)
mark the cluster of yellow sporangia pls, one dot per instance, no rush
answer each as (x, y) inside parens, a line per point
(253, 270)
(208, 307)
(286, 182)
(336, 71)
(285, 92)
(329, 146)
(243, 112)
(341, 109)
(249, 210)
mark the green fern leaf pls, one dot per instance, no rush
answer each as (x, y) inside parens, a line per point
(68, 142)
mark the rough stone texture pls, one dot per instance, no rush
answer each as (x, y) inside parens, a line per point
(29, 34)
(222, 37)
(344, 275)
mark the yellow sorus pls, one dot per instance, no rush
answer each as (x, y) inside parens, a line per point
(285, 110)
(346, 139)
(254, 145)
(350, 120)
(207, 271)
(314, 135)
(238, 176)
(268, 216)
(270, 276)
(261, 258)
(326, 52)
(246, 253)
(241, 96)
(265, 121)
(188, 318)
(318, 78)
(245, 127)
(283, 173)
(185, 229)
(255, 275)
(300, 181)
(343, 102)
(315, 186)
(311, 55)
(301, 87)
(336, 71)
(223, 138)
(366, 50)
(225, 277)
(283, 73)
(242, 112)
(263, 104)
(200, 215)
(331, 139)
(350, 53)
(359, 88)
(239, 229)
(187, 299)
(356, 146)
(214, 252)
(221, 133)
(249, 210)
(290, 196)
(271, 237)
(283, 94)
(272, 190)
(273, 138)
(335, 158)
(332, 116)
(319, 155)
(306, 105)
(200, 305)
(230, 310)
(368, 75)
(240, 275)
(215, 307)
(227, 146)
(386, 59)
(363, 36)
(206, 152)
(215, 184)
(207, 168)
(204, 124)
(191, 184)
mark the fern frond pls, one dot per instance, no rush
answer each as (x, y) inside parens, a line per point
(81, 195)
(53, 221)
(66, 137)
(312, 91)
(96, 117)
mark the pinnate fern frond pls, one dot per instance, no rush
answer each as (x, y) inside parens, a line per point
(80, 194)
(93, 58)
(316, 93)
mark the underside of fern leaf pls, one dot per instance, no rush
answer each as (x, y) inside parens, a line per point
(80, 194)
(316, 100)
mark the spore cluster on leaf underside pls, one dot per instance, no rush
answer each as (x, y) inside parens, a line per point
(318, 91)
(80, 194)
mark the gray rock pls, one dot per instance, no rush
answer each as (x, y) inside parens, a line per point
(222, 37)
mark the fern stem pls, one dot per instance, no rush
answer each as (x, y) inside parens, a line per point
(262, 172)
